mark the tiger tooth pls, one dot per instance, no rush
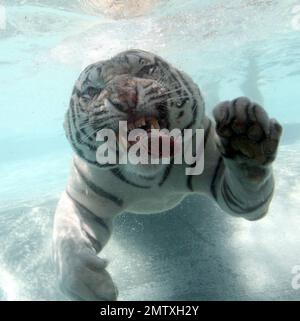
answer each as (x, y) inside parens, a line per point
(140, 122)
(154, 124)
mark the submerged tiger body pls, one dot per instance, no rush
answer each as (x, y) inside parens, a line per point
(142, 88)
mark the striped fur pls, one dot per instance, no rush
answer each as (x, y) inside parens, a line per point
(96, 194)
(182, 106)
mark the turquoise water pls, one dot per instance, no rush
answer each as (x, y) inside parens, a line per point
(230, 48)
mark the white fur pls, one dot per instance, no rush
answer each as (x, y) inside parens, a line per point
(83, 218)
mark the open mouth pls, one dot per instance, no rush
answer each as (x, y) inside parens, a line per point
(146, 124)
(154, 139)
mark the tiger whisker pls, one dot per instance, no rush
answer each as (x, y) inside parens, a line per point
(108, 124)
(179, 97)
(91, 135)
(169, 84)
(104, 119)
(159, 101)
(171, 91)
(163, 80)
(85, 121)
(164, 94)
(87, 124)
(98, 128)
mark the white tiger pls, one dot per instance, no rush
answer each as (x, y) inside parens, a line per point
(239, 148)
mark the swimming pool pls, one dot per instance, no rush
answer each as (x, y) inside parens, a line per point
(230, 48)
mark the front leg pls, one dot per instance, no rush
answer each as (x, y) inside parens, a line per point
(78, 236)
(247, 140)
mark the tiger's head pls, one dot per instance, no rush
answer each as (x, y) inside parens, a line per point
(134, 86)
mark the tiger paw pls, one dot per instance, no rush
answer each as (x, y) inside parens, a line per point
(246, 133)
(83, 277)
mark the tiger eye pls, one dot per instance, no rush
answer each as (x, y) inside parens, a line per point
(92, 91)
(151, 70)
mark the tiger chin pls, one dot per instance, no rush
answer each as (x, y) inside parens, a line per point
(143, 89)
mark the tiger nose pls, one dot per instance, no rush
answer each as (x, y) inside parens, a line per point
(129, 98)
(133, 97)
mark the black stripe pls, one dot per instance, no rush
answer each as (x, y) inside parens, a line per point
(166, 174)
(229, 196)
(187, 90)
(83, 122)
(213, 182)
(81, 142)
(98, 190)
(99, 112)
(195, 114)
(166, 69)
(164, 114)
(117, 172)
(95, 163)
(79, 139)
(120, 108)
(90, 214)
(76, 92)
(101, 120)
(74, 144)
(194, 107)
(95, 243)
(147, 178)
(87, 69)
(99, 128)
(207, 132)
(231, 201)
(180, 115)
(77, 95)
(186, 84)
(126, 59)
(99, 69)
(147, 86)
(86, 134)
(77, 150)
(155, 99)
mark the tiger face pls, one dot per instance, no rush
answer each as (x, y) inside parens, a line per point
(134, 86)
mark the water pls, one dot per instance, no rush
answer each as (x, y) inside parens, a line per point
(195, 251)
